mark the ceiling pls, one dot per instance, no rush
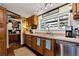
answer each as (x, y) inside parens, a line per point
(29, 9)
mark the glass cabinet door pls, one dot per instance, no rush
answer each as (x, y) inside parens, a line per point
(48, 44)
(38, 41)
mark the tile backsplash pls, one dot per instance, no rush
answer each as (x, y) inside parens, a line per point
(75, 23)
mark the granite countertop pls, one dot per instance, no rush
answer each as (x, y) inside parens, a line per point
(57, 37)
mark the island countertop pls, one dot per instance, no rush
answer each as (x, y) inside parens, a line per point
(56, 37)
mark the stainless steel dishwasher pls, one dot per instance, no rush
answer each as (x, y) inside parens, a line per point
(68, 48)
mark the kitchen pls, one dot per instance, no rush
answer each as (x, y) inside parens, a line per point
(49, 29)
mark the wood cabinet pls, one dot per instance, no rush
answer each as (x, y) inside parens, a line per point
(34, 39)
(14, 38)
(33, 21)
(49, 49)
(40, 45)
(30, 23)
(27, 22)
(28, 40)
(3, 49)
(24, 38)
(75, 10)
(77, 7)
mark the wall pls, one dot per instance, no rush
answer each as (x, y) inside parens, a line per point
(74, 23)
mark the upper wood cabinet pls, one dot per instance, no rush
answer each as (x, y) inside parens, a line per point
(75, 10)
(27, 23)
(77, 7)
(33, 21)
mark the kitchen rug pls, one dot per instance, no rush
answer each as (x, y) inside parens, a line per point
(23, 51)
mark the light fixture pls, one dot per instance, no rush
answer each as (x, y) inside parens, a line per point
(47, 5)
(43, 7)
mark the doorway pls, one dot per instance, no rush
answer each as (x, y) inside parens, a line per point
(13, 30)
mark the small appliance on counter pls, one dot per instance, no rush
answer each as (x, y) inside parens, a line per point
(76, 32)
(69, 31)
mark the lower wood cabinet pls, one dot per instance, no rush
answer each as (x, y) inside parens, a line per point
(29, 40)
(24, 38)
(40, 45)
(49, 47)
(34, 39)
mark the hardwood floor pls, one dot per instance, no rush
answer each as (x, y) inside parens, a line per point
(10, 51)
(13, 46)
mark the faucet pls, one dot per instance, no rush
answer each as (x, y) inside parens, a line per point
(48, 30)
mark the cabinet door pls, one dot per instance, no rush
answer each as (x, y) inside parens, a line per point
(39, 45)
(24, 38)
(29, 22)
(49, 47)
(74, 8)
(29, 40)
(78, 8)
(34, 42)
(36, 20)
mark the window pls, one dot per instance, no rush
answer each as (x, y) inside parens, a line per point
(57, 19)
